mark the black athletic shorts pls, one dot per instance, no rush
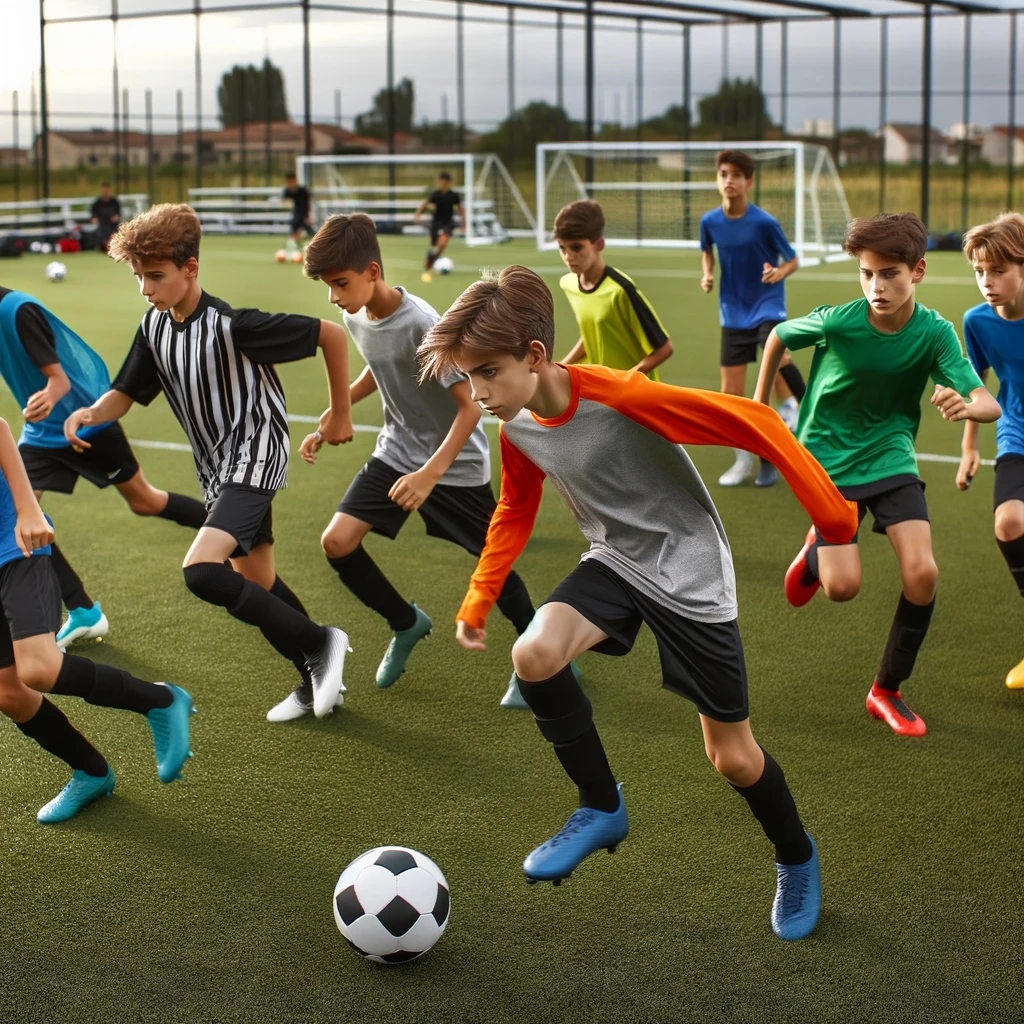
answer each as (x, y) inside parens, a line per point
(1009, 485)
(701, 661)
(439, 228)
(301, 223)
(109, 459)
(30, 595)
(457, 514)
(739, 347)
(892, 500)
(245, 513)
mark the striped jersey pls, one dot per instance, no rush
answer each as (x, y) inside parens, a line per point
(216, 370)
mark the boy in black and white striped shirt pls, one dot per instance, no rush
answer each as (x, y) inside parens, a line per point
(215, 365)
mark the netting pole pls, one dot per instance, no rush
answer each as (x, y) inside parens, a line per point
(559, 63)
(837, 71)
(267, 156)
(337, 107)
(883, 97)
(759, 78)
(391, 99)
(243, 125)
(179, 156)
(44, 109)
(511, 60)
(588, 86)
(115, 160)
(150, 169)
(307, 94)
(37, 141)
(460, 74)
(784, 74)
(965, 142)
(725, 79)
(199, 100)
(686, 127)
(639, 126)
(16, 135)
(126, 143)
(1011, 133)
(926, 112)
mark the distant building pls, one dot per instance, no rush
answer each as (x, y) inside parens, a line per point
(995, 145)
(10, 157)
(903, 144)
(818, 128)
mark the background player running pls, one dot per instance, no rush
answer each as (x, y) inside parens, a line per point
(302, 210)
(442, 224)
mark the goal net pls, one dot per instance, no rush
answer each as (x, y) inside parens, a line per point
(654, 194)
(390, 189)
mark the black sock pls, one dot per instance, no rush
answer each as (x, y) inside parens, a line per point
(811, 558)
(1013, 552)
(909, 628)
(283, 592)
(791, 374)
(771, 802)
(50, 728)
(359, 572)
(184, 511)
(515, 604)
(108, 687)
(564, 717)
(72, 592)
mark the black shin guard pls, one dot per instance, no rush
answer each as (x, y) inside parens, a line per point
(283, 592)
(771, 802)
(515, 604)
(360, 573)
(564, 717)
(108, 687)
(184, 511)
(909, 628)
(794, 379)
(50, 728)
(72, 591)
(1013, 552)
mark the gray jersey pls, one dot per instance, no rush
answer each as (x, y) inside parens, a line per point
(417, 417)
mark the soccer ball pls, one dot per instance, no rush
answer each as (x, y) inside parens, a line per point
(45, 247)
(296, 256)
(391, 904)
(443, 265)
(280, 255)
(35, 246)
(56, 271)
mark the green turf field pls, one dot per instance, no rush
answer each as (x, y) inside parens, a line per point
(210, 900)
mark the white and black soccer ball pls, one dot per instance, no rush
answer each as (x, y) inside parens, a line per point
(391, 904)
(56, 271)
(443, 265)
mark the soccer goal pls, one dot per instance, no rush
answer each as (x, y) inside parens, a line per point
(655, 193)
(390, 188)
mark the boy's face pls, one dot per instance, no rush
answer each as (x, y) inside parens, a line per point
(163, 284)
(886, 282)
(444, 184)
(351, 291)
(1000, 283)
(580, 254)
(732, 182)
(502, 384)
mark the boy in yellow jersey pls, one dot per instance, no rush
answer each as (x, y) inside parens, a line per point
(618, 327)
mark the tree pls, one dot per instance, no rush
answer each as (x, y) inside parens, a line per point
(244, 92)
(737, 110)
(518, 135)
(671, 123)
(375, 121)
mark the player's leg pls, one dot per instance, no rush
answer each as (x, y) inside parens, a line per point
(738, 348)
(442, 243)
(432, 254)
(1008, 503)
(146, 500)
(835, 568)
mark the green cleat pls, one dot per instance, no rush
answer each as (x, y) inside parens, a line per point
(392, 665)
(81, 791)
(513, 699)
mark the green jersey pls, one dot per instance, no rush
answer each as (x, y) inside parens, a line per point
(860, 415)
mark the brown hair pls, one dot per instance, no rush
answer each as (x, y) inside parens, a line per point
(900, 235)
(1000, 241)
(737, 158)
(500, 313)
(168, 231)
(578, 220)
(346, 241)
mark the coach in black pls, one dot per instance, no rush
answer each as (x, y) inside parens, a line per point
(106, 215)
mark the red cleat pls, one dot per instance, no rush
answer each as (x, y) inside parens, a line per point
(801, 583)
(888, 706)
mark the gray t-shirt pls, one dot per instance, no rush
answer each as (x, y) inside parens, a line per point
(417, 417)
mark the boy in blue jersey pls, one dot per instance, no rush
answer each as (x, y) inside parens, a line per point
(994, 333)
(30, 599)
(756, 258)
(51, 371)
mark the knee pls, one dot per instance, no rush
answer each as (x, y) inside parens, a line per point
(338, 543)
(535, 658)
(39, 672)
(1009, 523)
(146, 504)
(920, 580)
(16, 702)
(214, 583)
(740, 766)
(843, 589)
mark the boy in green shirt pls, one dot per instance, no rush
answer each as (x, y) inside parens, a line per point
(859, 419)
(618, 327)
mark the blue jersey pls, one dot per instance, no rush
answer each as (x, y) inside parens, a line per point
(745, 244)
(85, 371)
(9, 550)
(999, 344)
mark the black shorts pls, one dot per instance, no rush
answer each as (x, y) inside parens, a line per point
(439, 228)
(739, 347)
(30, 595)
(701, 661)
(109, 459)
(457, 514)
(1009, 485)
(895, 499)
(301, 223)
(245, 513)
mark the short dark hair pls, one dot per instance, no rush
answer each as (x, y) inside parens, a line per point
(345, 241)
(902, 236)
(582, 218)
(445, 175)
(737, 158)
(105, 184)
(290, 175)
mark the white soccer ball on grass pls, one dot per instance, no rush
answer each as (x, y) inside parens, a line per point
(56, 271)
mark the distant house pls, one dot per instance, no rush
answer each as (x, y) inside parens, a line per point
(10, 157)
(995, 145)
(903, 144)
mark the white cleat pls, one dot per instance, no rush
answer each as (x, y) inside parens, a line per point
(327, 668)
(740, 470)
(293, 706)
(789, 411)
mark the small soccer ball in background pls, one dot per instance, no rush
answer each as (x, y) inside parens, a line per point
(45, 247)
(36, 246)
(280, 255)
(391, 904)
(296, 256)
(56, 271)
(443, 265)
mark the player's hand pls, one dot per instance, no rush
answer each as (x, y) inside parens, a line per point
(416, 218)
(969, 463)
(78, 419)
(411, 490)
(470, 638)
(32, 531)
(311, 444)
(949, 402)
(38, 406)
(770, 274)
(707, 282)
(335, 428)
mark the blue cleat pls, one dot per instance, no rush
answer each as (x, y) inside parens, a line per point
(392, 665)
(81, 791)
(513, 699)
(83, 624)
(586, 830)
(171, 734)
(797, 898)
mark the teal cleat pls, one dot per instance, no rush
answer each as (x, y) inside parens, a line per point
(513, 699)
(83, 624)
(798, 898)
(392, 665)
(171, 734)
(81, 791)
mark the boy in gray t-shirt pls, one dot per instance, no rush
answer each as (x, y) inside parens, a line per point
(431, 457)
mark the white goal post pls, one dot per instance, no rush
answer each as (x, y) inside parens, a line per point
(655, 193)
(390, 188)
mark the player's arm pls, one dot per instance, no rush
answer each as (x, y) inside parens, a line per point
(646, 326)
(771, 360)
(336, 422)
(411, 490)
(31, 531)
(41, 404)
(108, 407)
(970, 458)
(773, 275)
(707, 265)
(363, 386)
(576, 354)
(419, 210)
(954, 379)
(36, 336)
(656, 358)
(462, 216)
(779, 244)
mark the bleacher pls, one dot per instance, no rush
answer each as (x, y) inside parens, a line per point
(44, 220)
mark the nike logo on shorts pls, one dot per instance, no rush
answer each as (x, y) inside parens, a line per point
(110, 476)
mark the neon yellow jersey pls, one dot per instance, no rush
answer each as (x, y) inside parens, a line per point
(616, 322)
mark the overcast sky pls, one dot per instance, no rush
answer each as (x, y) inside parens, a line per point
(348, 52)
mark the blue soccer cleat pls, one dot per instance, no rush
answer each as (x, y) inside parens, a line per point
(798, 898)
(83, 624)
(170, 728)
(81, 791)
(392, 665)
(586, 830)
(513, 699)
